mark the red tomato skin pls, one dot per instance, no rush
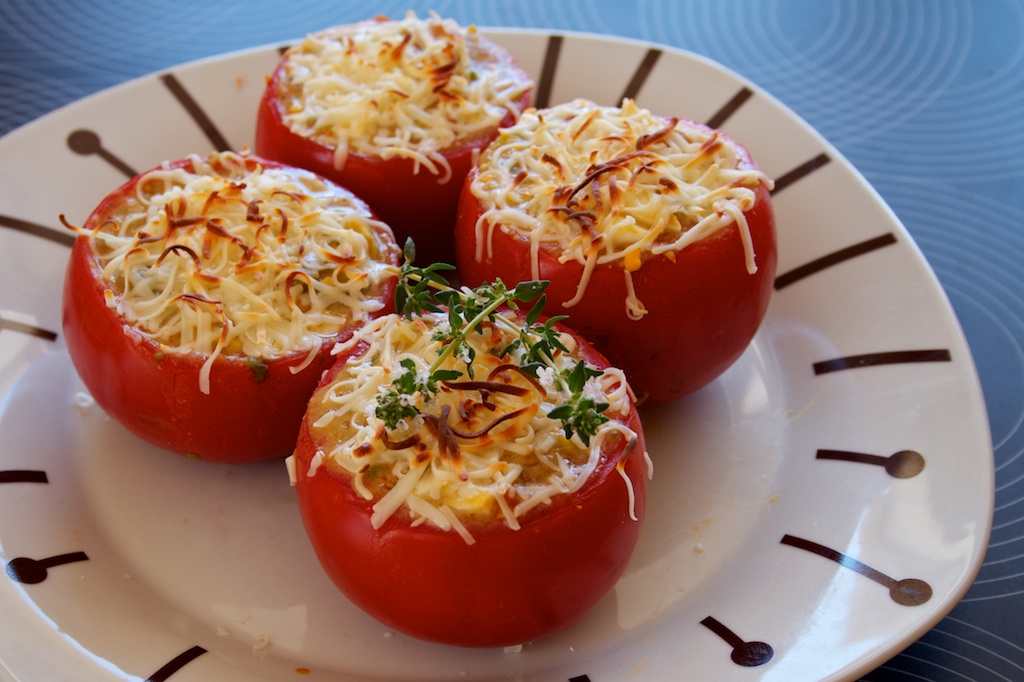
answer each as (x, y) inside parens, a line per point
(704, 308)
(415, 204)
(510, 587)
(155, 393)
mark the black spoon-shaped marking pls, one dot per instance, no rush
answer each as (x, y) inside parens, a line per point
(33, 571)
(902, 464)
(580, 678)
(87, 142)
(176, 664)
(748, 654)
(906, 592)
(23, 476)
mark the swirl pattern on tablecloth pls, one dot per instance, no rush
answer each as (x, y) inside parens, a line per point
(880, 80)
(955, 650)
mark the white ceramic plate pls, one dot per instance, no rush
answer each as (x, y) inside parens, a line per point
(169, 569)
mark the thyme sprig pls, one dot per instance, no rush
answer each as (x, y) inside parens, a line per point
(424, 290)
(399, 401)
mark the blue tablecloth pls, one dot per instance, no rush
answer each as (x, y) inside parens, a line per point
(925, 97)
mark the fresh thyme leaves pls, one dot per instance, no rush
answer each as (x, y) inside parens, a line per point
(580, 414)
(540, 343)
(424, 290)
(417, 287)
(396, 403)
(468, 309)
(399, 401)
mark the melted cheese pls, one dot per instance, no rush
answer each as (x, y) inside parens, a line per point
(225, 256)
(511, 456)
(407, 88)
(603, 185)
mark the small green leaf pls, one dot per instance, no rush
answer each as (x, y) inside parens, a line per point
(536, 311)
(578, 376)
(533, 368)
(446, 375)
(561, 412)
(258, 368)
(529, 290)
(510, 348)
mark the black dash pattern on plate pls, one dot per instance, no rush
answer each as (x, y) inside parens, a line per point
(176, 664)
(36, 230)
(30, 330)
(546, 79)
(906, 592)
(643, 70)
(88, 142)
(23, 476)
(800, 172)
(835, 258)
(747, 654)
(729, 108)
(896, 357)
(196, 112)
(30, 571)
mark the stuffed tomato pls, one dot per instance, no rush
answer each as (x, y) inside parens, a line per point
(395, 110)
(461, 494)
(657, 235)
(202, 299)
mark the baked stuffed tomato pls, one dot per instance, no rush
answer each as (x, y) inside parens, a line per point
(657, 235)
(203, 297)
(396, 111)
(468, 482)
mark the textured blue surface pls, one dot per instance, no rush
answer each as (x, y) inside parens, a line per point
(924, 97)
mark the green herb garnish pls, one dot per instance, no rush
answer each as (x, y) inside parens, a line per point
(258, 368)
(398, 402)
(579, 413)
(424, 290)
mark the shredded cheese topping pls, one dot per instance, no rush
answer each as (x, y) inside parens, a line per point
(601, 185)
(407, 88)
(222, 255)
(482, 449)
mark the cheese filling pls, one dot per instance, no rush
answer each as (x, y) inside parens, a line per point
(406, 88)
(603, 185)
(482, 449)
(226, 256)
